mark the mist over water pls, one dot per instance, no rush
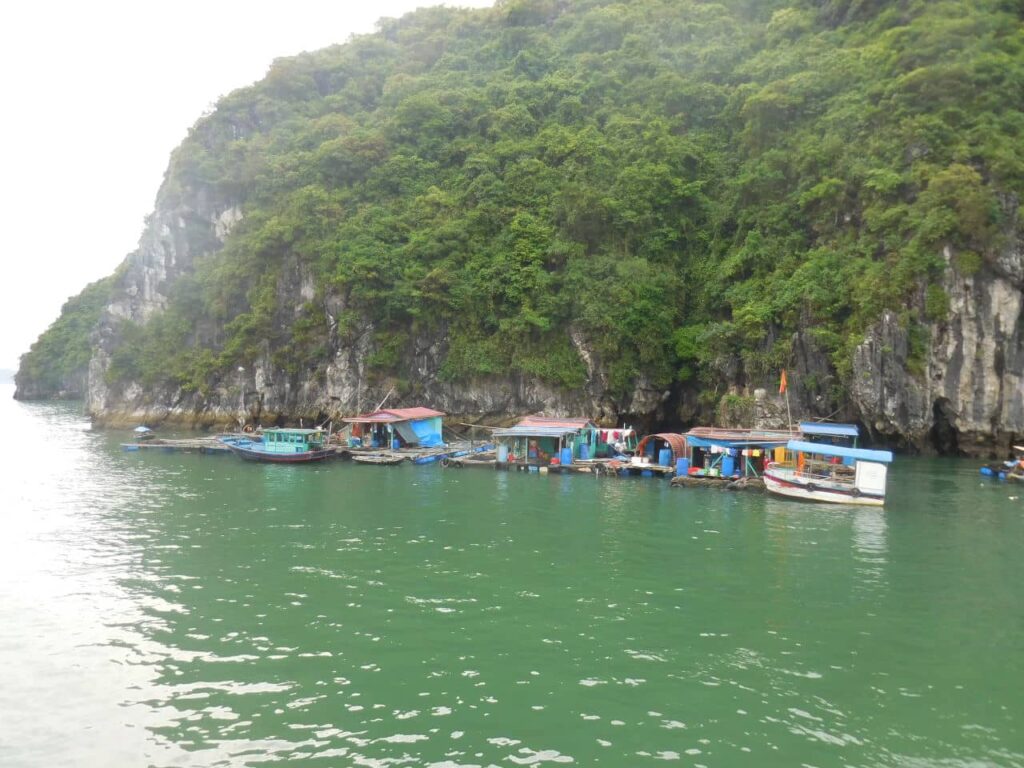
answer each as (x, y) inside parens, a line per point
(186, 610)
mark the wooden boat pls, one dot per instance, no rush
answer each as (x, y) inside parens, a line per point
(1012, 471)
(454, 453)
(829, 473)
(386, 459)
(282, 446)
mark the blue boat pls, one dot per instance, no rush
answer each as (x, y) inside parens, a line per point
(1007, 470)
(282, 446)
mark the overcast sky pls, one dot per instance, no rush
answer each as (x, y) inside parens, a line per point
(95, 95)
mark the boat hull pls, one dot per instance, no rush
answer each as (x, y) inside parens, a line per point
(380, 460)
(797, 488)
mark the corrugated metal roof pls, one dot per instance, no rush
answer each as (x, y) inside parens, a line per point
(829, 429)
(839, 450)
(545, 421)
(718, 436)
(418, 412)
(527, 431)
(389, 415)
(676, 442)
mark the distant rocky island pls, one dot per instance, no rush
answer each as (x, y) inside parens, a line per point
(638, 211)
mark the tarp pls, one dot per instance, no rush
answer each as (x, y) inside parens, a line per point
(838, 450)
(748, 442)
(427, 431)
(828, 429)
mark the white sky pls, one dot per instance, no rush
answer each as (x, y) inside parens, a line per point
(93, 98)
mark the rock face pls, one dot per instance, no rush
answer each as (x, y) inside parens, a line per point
(954, 385)
(964, 393)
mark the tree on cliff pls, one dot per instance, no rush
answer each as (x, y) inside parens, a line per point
(680, 184)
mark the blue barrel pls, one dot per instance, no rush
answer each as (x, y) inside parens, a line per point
(374, 443)
(565, 458)
(682, 467)
(584, 452)
(650, 449)
(665, 457)
(396, 444)
(728, 466)
(502, 454)
(646, 473)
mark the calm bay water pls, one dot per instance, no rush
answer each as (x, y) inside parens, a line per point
(160, 609)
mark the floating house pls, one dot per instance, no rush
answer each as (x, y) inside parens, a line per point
(714, 452)
(542, 441)
(397, 428)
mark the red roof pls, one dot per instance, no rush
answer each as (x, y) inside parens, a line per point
(388, 415)
(544, 421)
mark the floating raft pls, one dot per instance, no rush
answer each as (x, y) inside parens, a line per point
(721, 483)
(184, 445)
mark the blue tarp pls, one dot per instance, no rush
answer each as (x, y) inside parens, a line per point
(428, 431)
(827, 429)
(838, 450)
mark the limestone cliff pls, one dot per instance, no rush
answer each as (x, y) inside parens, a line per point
(966, 393)
(632, 211)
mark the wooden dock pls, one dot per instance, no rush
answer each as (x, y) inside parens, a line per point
(184, 445)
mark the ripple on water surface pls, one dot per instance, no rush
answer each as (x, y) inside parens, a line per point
(194, 610)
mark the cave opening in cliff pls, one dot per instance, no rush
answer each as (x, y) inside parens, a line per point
(943, 434)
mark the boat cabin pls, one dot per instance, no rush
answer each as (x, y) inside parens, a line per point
(715, 452)
(540, 441)
(397, 428)
(291, 440)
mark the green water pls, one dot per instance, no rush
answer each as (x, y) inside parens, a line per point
(179, 610)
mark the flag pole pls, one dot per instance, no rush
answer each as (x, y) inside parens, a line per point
(784, 389)
(789, 414)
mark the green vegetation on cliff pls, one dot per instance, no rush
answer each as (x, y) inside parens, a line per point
(57, 363)
(677, 183)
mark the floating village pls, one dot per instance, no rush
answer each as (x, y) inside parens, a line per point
(816, 461)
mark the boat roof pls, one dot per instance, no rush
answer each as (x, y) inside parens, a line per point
(839, 450)
(293, 430)
(829, 429)
(142, 430)
(554, 422)
(390, 415)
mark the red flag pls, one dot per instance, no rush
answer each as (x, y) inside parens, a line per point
(782, 383)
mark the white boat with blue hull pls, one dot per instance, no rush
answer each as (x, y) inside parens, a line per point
(830, 473)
